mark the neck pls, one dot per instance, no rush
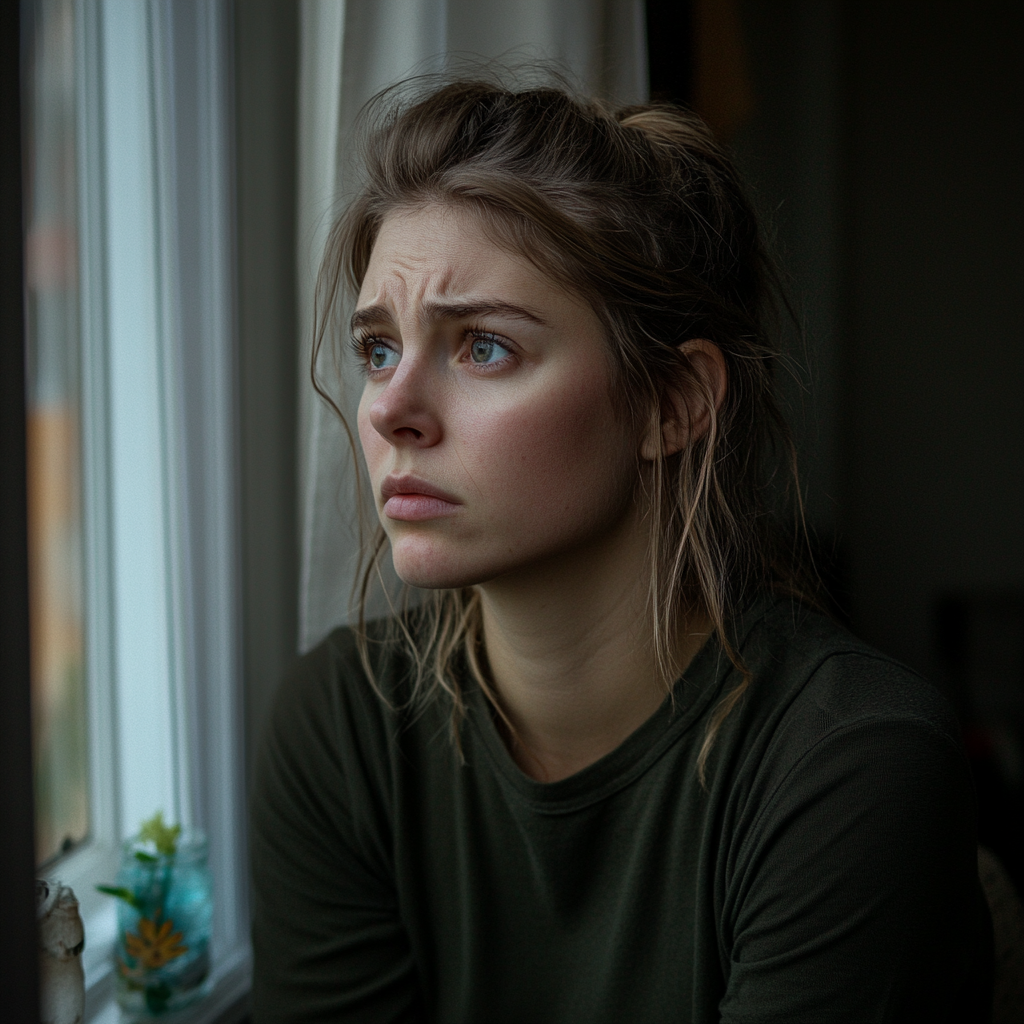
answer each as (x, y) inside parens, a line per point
(570, 647)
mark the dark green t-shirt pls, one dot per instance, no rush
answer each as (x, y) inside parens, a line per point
(828, 871)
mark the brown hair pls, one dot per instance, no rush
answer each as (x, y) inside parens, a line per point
(640, 212)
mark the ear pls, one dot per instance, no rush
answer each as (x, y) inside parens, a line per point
(687, 415)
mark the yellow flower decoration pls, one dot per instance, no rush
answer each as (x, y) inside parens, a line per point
(155, 945)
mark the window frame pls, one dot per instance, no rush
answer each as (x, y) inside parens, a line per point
(160, 461)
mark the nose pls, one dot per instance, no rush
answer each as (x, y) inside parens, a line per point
(405, 412)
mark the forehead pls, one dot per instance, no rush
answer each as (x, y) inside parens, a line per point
(438, 252)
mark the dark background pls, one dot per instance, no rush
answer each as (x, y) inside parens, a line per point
(886, 144)
(883, 142)
(18, 956)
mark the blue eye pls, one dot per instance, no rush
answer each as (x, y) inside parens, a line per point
(380, 356)
(487, 350)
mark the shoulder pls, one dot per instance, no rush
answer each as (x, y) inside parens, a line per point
(327, 938)
(822, 706)
(847, 832)
(840, 749)
(331, 725)
(326, 683)
(810, 670)
(333, 681)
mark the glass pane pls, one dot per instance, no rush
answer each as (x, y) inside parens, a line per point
(54, 447)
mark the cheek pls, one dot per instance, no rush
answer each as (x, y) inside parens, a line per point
(553, 452)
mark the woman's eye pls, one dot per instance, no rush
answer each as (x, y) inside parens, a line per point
(487, 350)
(380, 356)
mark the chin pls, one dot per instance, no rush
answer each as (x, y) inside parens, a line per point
(426, 565)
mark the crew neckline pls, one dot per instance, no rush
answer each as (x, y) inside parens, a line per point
(686, 704)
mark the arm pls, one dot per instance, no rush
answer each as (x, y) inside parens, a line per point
(327, 939)
(855, 897)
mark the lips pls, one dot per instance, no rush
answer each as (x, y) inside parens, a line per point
(410, 499)
(413, 486)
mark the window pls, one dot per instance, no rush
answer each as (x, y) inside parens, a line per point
(132, 450)
(53, 432)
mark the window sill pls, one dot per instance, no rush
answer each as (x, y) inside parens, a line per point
(227, 1002)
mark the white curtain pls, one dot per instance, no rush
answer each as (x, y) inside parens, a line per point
(350, 49)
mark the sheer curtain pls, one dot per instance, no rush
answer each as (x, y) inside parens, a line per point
(350, 50)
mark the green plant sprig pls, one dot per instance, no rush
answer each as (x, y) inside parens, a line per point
(165, 838)
(122, 894)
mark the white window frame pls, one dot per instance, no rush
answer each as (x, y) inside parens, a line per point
(159, 437)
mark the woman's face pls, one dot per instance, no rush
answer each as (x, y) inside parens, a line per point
(486, 419)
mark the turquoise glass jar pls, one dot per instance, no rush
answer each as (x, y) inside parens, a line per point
(163, 931)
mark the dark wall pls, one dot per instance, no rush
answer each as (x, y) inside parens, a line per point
(935, 421)
(790, 152)
(887, 146)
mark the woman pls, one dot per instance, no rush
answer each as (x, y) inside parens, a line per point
(615, 767)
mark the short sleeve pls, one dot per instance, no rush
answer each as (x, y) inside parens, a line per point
(328, 943)
(856, 895)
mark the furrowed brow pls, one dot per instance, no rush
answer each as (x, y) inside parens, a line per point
(379, 315)
(472, 310)
(371, 316)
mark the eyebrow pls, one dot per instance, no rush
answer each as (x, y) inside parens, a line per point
(446, 312)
